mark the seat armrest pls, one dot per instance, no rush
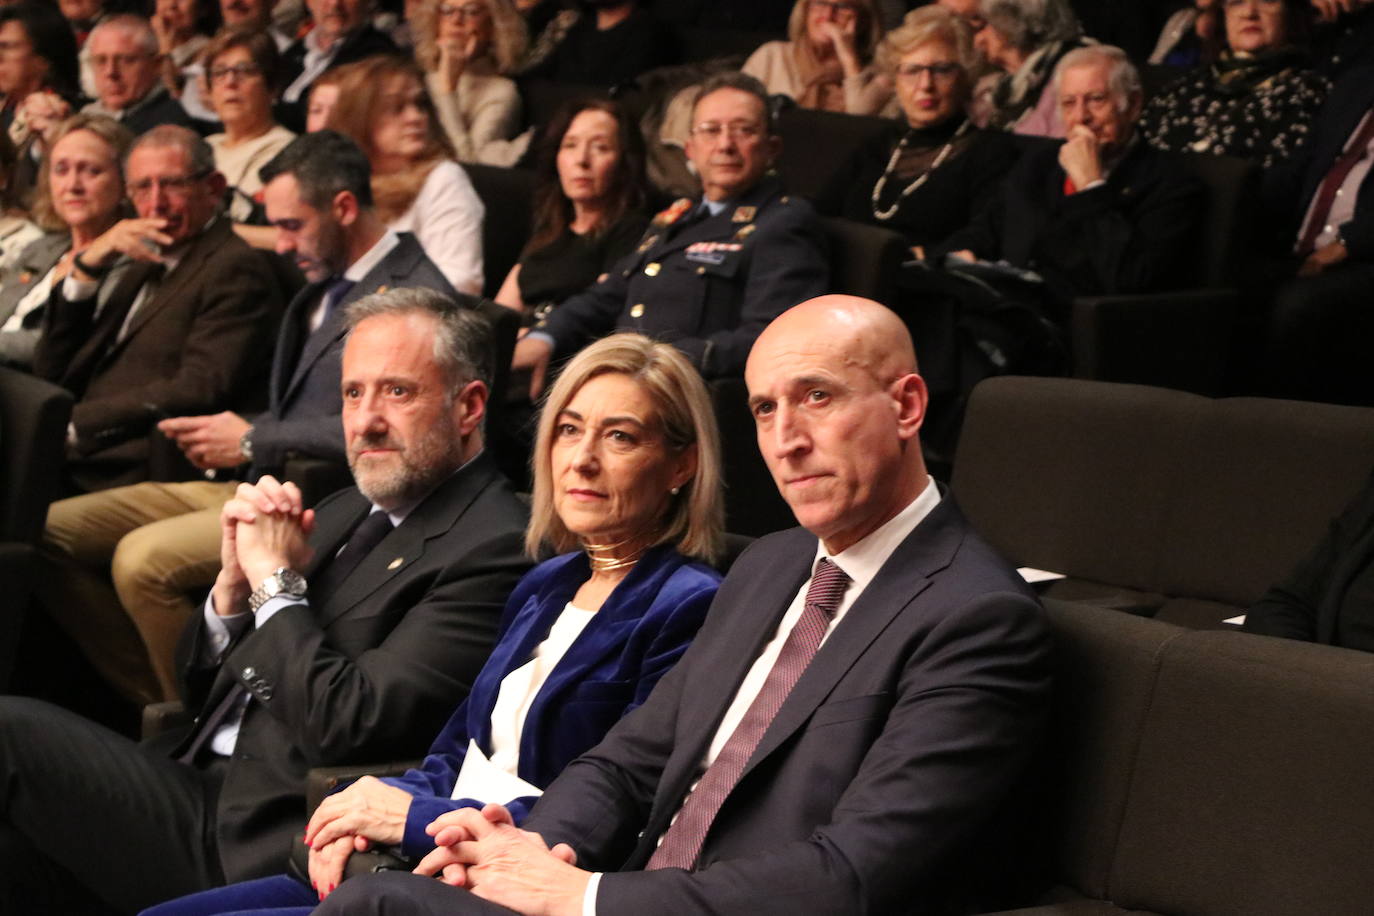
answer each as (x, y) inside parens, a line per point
(1176, 339)
(320, 781)
(159, 718)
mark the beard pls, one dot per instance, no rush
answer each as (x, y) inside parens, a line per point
(408, 474)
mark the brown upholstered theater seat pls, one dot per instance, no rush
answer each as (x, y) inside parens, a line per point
(1152, 501)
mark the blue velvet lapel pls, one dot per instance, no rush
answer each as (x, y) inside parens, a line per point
(558, 581)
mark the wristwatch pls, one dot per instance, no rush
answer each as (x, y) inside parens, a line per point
(246, 444)
(284, 581)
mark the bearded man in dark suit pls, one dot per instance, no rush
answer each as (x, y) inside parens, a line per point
(332, 636)
(856, 743)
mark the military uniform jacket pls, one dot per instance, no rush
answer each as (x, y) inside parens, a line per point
(707, 284)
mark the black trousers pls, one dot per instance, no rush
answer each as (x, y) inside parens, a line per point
(93, 822)
(395, 893)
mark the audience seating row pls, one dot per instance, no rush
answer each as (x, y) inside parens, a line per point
(1212, 774)
(33, 425)
(1156, 502)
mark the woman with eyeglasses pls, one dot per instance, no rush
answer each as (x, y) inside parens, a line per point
(417, 186)
(1256, 101)
(826, 63)
(466, 47)
(240, 69)
(927, 176)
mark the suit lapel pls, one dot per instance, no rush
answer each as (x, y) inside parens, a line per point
(290, 343)
(899, 584)
(436, 515)
(172, 285)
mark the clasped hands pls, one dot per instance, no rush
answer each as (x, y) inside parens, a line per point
(264, 527)
(486, 853)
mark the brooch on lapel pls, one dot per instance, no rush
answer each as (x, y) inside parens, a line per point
(745, 231)
(649, 242)
(674, 212)
(395, 563)
(744, 214)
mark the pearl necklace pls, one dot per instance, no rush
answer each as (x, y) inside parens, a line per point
(920, 179)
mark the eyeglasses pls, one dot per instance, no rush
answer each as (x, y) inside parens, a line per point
(711, 132)
(834, 7)
(121, 61)
(938, 72)
(238, 71)
(462, 13)
(172, 187)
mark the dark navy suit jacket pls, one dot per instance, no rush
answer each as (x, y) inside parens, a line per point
(887, 781)
(640, 632)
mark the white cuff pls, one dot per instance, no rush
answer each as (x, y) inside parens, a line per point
(222, 629)
(271, 606)
(74, 290)
(589, 895)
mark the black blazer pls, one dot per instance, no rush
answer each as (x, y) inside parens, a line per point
(882, 773)
(1327, 597)
(360, 44)
(374, 673)
(1134, 234)
(304, 405)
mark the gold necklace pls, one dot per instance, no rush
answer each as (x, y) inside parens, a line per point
(611, 564)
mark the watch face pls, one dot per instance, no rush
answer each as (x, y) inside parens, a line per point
(292, 582)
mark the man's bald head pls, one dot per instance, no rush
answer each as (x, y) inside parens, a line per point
(838, 404)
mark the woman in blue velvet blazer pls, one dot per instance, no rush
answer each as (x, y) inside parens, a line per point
(627, 466)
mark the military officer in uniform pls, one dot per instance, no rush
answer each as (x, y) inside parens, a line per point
(709, 274)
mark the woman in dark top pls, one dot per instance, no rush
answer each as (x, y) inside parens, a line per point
(1256, 102)
(1329, 597)
(930, 174)
(589, 207)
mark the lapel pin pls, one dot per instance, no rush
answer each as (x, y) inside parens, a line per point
(395, 563)
(744, 215)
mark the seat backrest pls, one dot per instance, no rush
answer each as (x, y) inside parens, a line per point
(698, 43)
(1229, 218)
(1069, 475)
(508, 196)
(33, 430)
(816, 145)
(864, 260)
(1251, 791)
(1154, 489)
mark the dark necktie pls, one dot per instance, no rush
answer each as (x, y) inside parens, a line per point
(361, 542)
(1355, 150)
(334, 293)
(683, 840)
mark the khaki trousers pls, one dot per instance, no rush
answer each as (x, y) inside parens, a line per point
(120, 567)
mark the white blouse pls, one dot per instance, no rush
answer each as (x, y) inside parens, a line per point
(489, 778)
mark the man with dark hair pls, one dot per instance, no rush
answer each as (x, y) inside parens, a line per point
(335, 635)
(711, 273)
(128, 558)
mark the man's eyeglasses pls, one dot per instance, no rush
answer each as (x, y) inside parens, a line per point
(938, 72)
(172, 187)
(238, 71)
(711, 131)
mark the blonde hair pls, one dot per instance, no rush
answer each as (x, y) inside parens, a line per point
(921, 26)
(696, 515)
(509, 37)
(116, 136)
